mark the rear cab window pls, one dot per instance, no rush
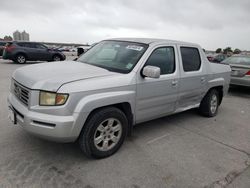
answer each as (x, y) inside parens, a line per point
(191, 59)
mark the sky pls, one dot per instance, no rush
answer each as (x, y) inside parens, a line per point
(210, 23)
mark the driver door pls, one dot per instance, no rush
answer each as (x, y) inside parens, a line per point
(42, 52)
(157, 97)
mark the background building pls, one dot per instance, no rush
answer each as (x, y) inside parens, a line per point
(21, 36)
(25, 36)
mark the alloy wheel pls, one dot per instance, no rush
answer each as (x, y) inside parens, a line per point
(107, 134)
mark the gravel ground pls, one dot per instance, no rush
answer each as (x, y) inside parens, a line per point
(182, 150)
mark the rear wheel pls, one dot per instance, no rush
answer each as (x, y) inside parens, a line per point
(210, 103)
(20, 58)
(103, 133)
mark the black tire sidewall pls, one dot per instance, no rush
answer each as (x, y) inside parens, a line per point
(212, 93)
(58, 57)
(92, 125)
(205, 106)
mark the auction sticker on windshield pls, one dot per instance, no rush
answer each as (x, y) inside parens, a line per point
(134, 47)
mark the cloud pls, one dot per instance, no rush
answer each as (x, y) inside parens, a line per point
(211, 23)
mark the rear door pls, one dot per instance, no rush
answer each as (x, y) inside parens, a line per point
(193, 77)
(157, 97)
(28, 48)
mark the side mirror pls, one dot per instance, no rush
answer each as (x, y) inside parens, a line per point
(151, 72)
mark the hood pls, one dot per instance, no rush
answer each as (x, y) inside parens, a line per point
(50, 76)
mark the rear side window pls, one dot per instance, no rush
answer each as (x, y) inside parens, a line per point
(21, 44)
(190, 59)
(163, 58)
(27, 45)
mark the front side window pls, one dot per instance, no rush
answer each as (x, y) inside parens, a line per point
(164, 58)
(191, 60)
(116, 56)
(40, 46)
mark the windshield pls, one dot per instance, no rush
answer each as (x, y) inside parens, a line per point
(238, 60)
(116, 56)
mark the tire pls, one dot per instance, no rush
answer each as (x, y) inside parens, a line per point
(210, 104)
(20, 58)
(97, 137)
(57, 58)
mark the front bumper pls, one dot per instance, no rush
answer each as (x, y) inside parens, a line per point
(51, 127)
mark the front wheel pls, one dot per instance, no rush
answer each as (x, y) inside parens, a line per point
(210, 103)
(104, 133)
(56, 58)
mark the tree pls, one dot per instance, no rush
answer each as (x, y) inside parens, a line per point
(227, 50)
(237, 51)
(219, 50)
(7, 38)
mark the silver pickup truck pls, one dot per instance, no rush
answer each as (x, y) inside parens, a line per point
(118, 83)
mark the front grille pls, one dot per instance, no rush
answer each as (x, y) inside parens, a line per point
(21, 93)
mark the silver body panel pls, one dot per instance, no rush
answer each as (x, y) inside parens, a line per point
(91, 87)
(238, 75)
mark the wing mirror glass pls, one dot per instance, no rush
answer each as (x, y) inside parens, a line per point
(151, 72)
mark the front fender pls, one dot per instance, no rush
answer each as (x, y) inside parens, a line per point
(91, 102)
(94, 101)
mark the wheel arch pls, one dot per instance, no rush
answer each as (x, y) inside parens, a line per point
(57, 54)
(125, 107)
(21, 53)
(219, 89)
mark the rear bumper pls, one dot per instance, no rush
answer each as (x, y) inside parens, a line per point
(50, 127)
(244, 81)
(8, 56)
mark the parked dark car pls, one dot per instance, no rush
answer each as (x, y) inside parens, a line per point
(82, 49)
(2, 44)
(219, 58)
(216, 57)
(21, 52)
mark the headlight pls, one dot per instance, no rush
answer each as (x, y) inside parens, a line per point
(52, 99)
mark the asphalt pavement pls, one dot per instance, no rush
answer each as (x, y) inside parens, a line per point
(181, 150)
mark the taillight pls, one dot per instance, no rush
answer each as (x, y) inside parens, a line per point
(248, 73)
(9, 48)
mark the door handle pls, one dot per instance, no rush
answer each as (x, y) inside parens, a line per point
(174, 83)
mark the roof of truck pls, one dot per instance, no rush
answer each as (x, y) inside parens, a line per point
(152, 40)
